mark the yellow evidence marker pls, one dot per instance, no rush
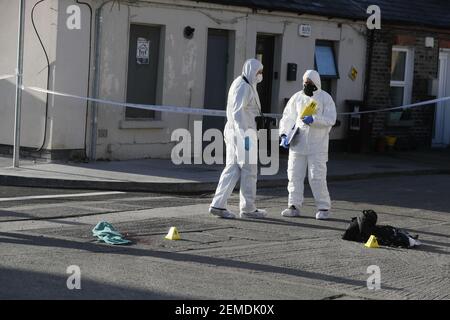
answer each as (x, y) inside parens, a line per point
(372, 242)
(173, 234)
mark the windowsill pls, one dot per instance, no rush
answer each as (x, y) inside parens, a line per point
(142, 124)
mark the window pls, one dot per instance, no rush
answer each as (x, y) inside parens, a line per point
(325, 64)
(325, 60)
(402, 66)
(143, 70)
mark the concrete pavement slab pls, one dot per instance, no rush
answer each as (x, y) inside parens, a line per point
(155, 175)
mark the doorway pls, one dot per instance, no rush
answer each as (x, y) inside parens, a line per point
(441, 134)
(218, 63)
(265, 52)
(143, 63)
(268, 51)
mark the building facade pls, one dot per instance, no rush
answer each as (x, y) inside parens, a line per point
(409, 65)
(191, 53)
(186, 53)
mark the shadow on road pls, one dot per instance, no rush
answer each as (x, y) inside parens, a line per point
(429, 192)
(295, 224)
(21, 216)
(30, 285)
(24, 239)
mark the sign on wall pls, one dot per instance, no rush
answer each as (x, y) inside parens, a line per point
(305, 30)
(143, 51)
(353, 73)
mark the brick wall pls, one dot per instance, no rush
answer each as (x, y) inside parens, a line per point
(426, 65)
(419, 132)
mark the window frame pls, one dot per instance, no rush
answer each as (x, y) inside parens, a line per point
(407, 83)
(330, 44)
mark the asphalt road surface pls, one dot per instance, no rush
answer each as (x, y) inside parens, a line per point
(44, 231)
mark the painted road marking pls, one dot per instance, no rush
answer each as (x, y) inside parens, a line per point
(77, 195)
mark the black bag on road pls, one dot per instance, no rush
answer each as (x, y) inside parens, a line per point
(361, 228)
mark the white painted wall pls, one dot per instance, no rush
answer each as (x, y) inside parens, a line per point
(71, 74)
(183, 76)
(185, 66)
(183, 69)
(68, 53)
(35, 71)
(8, 47)
(351, 53)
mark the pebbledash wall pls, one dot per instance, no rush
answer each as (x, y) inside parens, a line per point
(182, 71)
(415, 129)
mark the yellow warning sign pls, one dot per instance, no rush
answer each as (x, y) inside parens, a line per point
(353, 73)
(372, 242)
(173, 234)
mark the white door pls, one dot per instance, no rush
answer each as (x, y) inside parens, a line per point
(442, 117)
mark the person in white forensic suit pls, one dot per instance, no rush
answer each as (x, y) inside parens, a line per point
(308, 150)
(243, 106)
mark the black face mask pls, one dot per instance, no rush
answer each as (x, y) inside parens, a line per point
(309, 89)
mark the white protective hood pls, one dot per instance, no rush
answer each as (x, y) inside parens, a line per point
(314, 76)
(250, 69)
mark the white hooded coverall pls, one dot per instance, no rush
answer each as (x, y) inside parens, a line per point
(242, 107)
(309, 149)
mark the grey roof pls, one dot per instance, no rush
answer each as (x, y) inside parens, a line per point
(430, 13)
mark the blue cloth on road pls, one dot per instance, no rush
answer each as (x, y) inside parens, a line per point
(104, 231)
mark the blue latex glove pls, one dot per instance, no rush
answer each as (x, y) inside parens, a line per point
(308, 120)
(247, 143)
(284, 142)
